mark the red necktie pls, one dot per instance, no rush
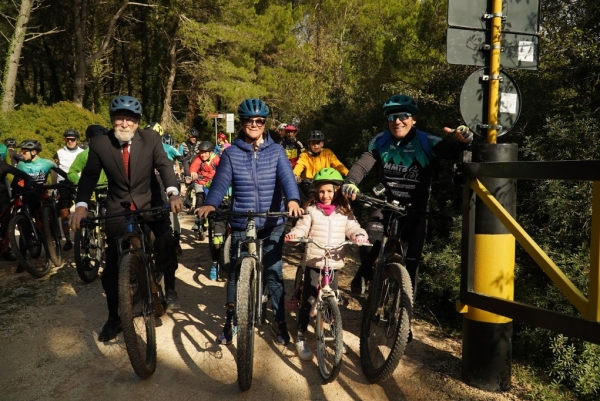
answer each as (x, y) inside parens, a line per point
(126, 158)
(126, 164)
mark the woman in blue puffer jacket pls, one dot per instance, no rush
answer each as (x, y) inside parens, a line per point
(260, 174)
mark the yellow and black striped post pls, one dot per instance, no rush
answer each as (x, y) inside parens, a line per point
(487, 337)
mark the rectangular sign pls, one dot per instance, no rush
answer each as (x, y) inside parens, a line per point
(230, 123)
(466, 47)
(521, 16)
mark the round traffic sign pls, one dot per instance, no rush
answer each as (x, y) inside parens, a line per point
(474, 100)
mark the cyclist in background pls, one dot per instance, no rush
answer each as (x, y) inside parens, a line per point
(13, 157)
(280, 133)
(404, 157)
(203, 170)
(291, 145)
(189, 150)
(81, 160)
(259, 174)
(64, 157)
(313, 160)
(329, 220)
(222, 143)
(32, 164)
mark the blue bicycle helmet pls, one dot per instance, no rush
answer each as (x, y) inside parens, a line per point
(95, 130)
(399, 103)
(253, 108)
(127, 104)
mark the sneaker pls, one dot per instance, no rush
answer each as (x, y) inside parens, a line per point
(303, 351)
(68, 245)
(172, 299)
(214, 269)
(226, 337)
(281, 333)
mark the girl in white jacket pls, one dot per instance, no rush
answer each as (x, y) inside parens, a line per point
(329, 220)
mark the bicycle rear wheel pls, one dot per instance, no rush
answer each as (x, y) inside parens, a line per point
(330, 342)
(28, 246)
(246, 304)
(137, 315)
(386, 323)
(88, 251)
(52, 234)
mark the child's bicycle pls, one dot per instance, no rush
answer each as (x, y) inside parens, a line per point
(387, 313)
(328, 318)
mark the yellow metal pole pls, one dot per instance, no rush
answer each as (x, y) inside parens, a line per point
(494, 85)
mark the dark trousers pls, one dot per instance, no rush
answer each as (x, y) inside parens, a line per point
(166, 261)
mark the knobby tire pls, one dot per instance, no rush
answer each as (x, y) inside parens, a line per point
(137, 315)
(330, 341)
(88, 251)
(386, 323)
(52, 234)
(246, 293)
(29, 247)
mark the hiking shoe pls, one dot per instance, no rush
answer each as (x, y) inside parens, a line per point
(68, 245)
(172, 299)
(281, 333)
(226, 337)
(304, 352)
(214, 269)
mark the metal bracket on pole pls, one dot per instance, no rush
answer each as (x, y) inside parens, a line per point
(487, 46)
(486, 126)
(491, 77)
(494, 15)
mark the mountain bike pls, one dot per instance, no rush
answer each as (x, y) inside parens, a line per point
(89, 242)
(141, 286)
(35, 235)
(388, 310)
(326, 310)
(249, 290)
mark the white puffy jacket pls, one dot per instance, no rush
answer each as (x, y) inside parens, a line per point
(330, 230)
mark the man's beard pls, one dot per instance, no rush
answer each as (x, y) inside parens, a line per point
(124, 135)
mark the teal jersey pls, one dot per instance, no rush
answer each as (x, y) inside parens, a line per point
(171, 152)
(3, 152)
(37, 169)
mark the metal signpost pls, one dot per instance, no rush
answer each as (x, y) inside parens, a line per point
(491, 34)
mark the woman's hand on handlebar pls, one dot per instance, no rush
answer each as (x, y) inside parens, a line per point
(203, 211)
(361, 239)
(290, 236)
(294, 209)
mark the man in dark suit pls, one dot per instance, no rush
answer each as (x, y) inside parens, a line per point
(129, 157)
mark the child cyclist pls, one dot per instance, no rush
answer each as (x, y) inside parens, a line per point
(329, 220)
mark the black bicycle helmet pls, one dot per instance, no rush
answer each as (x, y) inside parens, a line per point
(400, 102)
(31, 144)
(193, 132)
(10, 142)
(206, 146)
(316, 136)
(71, 133)
(95, 130)
(167, 139)
(253, 108)
(125, 103)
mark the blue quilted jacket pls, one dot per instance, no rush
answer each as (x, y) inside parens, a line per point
(259, 180)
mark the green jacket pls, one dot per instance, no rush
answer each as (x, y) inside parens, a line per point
(78, 165)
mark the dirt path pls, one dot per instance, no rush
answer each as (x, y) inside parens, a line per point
(49, 349)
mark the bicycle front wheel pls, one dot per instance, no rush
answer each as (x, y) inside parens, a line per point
(28, 246)
(52, 234)
(246, 304)
(137, 315)
(330, 341)
(88, 251)
(386, 323)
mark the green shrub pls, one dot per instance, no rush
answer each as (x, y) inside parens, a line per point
(47, 124)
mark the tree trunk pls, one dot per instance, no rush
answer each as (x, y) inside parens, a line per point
(14, 55)
(167, 118)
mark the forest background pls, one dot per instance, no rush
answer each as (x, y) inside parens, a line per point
(330, 65)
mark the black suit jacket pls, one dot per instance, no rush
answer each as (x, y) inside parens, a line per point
(141, 187)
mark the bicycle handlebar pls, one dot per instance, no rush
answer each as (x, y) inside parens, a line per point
(307, 240)
(371, 202)
(154, 211)
(249, 214)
